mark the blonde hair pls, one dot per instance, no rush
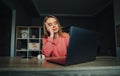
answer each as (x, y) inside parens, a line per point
(45, 32)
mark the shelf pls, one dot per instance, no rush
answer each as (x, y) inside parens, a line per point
(34, 38)
(28, 40)
(21, 38)
(21, 50)
(34, 50)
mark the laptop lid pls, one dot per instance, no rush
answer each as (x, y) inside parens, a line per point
(83, 45)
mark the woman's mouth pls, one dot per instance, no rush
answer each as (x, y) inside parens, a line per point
(54, 29)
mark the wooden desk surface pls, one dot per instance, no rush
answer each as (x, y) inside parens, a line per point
(18, 62)
(17, 66)
(102, 66)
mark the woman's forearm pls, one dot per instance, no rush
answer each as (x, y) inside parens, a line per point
(47, 46)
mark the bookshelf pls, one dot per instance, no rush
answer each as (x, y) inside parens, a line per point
(28, 41)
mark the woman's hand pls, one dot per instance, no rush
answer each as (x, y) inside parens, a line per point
(50, 30)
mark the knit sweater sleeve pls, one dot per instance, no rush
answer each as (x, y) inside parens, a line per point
(47, 46)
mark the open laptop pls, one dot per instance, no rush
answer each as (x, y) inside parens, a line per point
(82, 47)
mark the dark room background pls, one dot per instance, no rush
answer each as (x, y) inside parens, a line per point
(102, 22)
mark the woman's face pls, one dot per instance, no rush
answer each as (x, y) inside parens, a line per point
(53, 24)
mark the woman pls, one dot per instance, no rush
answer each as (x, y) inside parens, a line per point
(55, 42)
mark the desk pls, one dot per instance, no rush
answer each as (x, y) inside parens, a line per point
(102, 66)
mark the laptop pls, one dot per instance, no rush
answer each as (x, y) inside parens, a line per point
(83, 45)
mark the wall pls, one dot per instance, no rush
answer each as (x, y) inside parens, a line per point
(22, 19)
(117, 25)
(67, 21)
(22, 16)
(99, 23)
(5, 28)
(117, 11)
(105, 24)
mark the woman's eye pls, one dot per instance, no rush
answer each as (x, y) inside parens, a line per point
(50, 24)
(55, 23)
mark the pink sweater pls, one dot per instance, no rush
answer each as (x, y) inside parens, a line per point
(55, 47)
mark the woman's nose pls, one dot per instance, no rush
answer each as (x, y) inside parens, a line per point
(54, 25)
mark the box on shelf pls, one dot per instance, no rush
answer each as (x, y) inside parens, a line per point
(33, 46)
